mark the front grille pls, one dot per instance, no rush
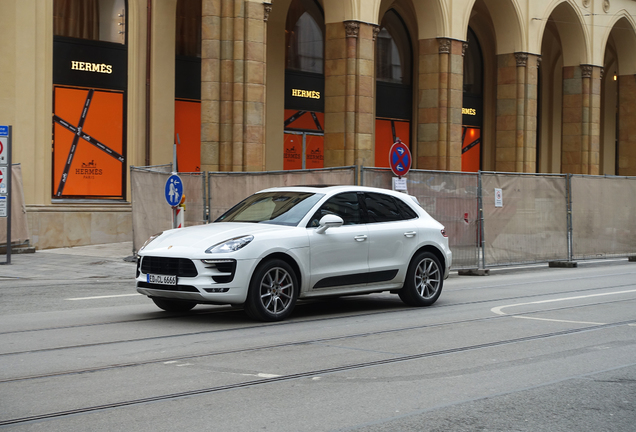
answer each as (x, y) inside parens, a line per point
(182, 267)
(182, 288)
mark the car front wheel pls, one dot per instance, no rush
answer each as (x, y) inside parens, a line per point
(273, 291)
(424, 281)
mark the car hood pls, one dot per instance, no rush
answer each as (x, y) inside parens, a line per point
(197, 239)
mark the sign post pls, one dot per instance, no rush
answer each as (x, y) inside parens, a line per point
(400, 162)
(5, 183)
(173, 192)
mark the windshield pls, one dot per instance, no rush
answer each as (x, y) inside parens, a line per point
(281, 208)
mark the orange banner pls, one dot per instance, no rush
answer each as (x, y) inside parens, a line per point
(88, 149)
(293, 152)
(187, 124)
(386, 133)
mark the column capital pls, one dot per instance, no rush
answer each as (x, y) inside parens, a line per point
(444, 46)
(522, 59)
(267, 9)
(376, 31)
(586, 71)
(352, 28)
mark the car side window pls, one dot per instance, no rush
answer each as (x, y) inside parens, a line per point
(382, 208)
(345, 205)
(407, 212)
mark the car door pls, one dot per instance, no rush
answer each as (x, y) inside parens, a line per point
(392, 238)
(339, 255)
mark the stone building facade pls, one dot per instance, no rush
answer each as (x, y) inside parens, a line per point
(528, 86)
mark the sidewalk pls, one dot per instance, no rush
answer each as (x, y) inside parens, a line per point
(112, 260)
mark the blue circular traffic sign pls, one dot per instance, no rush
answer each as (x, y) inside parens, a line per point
(174, 190)
(400, 158)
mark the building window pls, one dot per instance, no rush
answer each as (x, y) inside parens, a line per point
(304, 86)
(99, 20)
(304, 37)
(394, 64)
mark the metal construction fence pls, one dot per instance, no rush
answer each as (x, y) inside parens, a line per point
(19, 226)
(497, 219)
(492, 219)
(151, 214)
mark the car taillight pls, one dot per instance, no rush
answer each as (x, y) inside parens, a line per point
(444, 233)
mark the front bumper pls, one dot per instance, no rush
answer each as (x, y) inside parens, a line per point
(216, 281)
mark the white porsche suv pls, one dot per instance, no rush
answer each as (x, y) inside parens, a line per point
(282, 244)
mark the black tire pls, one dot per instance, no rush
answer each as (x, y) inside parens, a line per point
(170, 305)
(272, 292)
(424, 280)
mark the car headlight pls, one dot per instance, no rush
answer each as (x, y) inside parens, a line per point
(231, 245)
(152, 237)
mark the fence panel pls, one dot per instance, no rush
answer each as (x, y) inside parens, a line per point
(449, 197)
(530, 224)
(227, 188)
(19, 225)
(151, 213)
(603, 210)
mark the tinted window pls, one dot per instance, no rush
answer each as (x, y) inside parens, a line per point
(406, 211)
(381, 208)
(344, 205)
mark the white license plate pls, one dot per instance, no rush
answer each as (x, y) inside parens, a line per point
(161, 279)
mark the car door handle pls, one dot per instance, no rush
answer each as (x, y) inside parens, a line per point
(410, 234)
(360, 238)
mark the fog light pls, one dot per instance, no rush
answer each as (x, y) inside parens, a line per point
(216, 290)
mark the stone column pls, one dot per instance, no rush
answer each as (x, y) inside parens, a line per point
(440, 97)
(253, 124)
(626, 133)
(581, 119)
(210, 85)
(232, 85)
(335, 94)
(516, 139)
(349, 94)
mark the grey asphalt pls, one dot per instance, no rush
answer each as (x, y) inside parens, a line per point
(80, 262)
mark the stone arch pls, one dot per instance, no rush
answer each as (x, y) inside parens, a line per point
(567, 19)
(618, 89)
(508, 26)
(432, 19)
(623, 28)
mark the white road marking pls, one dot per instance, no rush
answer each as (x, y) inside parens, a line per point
(499, 309)
(103, 297)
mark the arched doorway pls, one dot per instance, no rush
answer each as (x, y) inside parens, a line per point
(394, 75)
(89, 99)
(472, 107)
(618, 87)
(187, 109)
(304, 86)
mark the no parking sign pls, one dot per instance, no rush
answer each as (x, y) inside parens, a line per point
(400, 158)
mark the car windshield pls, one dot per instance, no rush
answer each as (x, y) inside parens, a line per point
(280, 208)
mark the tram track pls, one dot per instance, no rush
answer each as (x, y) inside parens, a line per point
(286, 344)
(300, 375)
(292, 321)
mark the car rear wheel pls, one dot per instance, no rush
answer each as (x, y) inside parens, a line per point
(273, 291)
(174, 305)
(424, 281)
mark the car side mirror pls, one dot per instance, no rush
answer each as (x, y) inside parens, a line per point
(329, 221)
